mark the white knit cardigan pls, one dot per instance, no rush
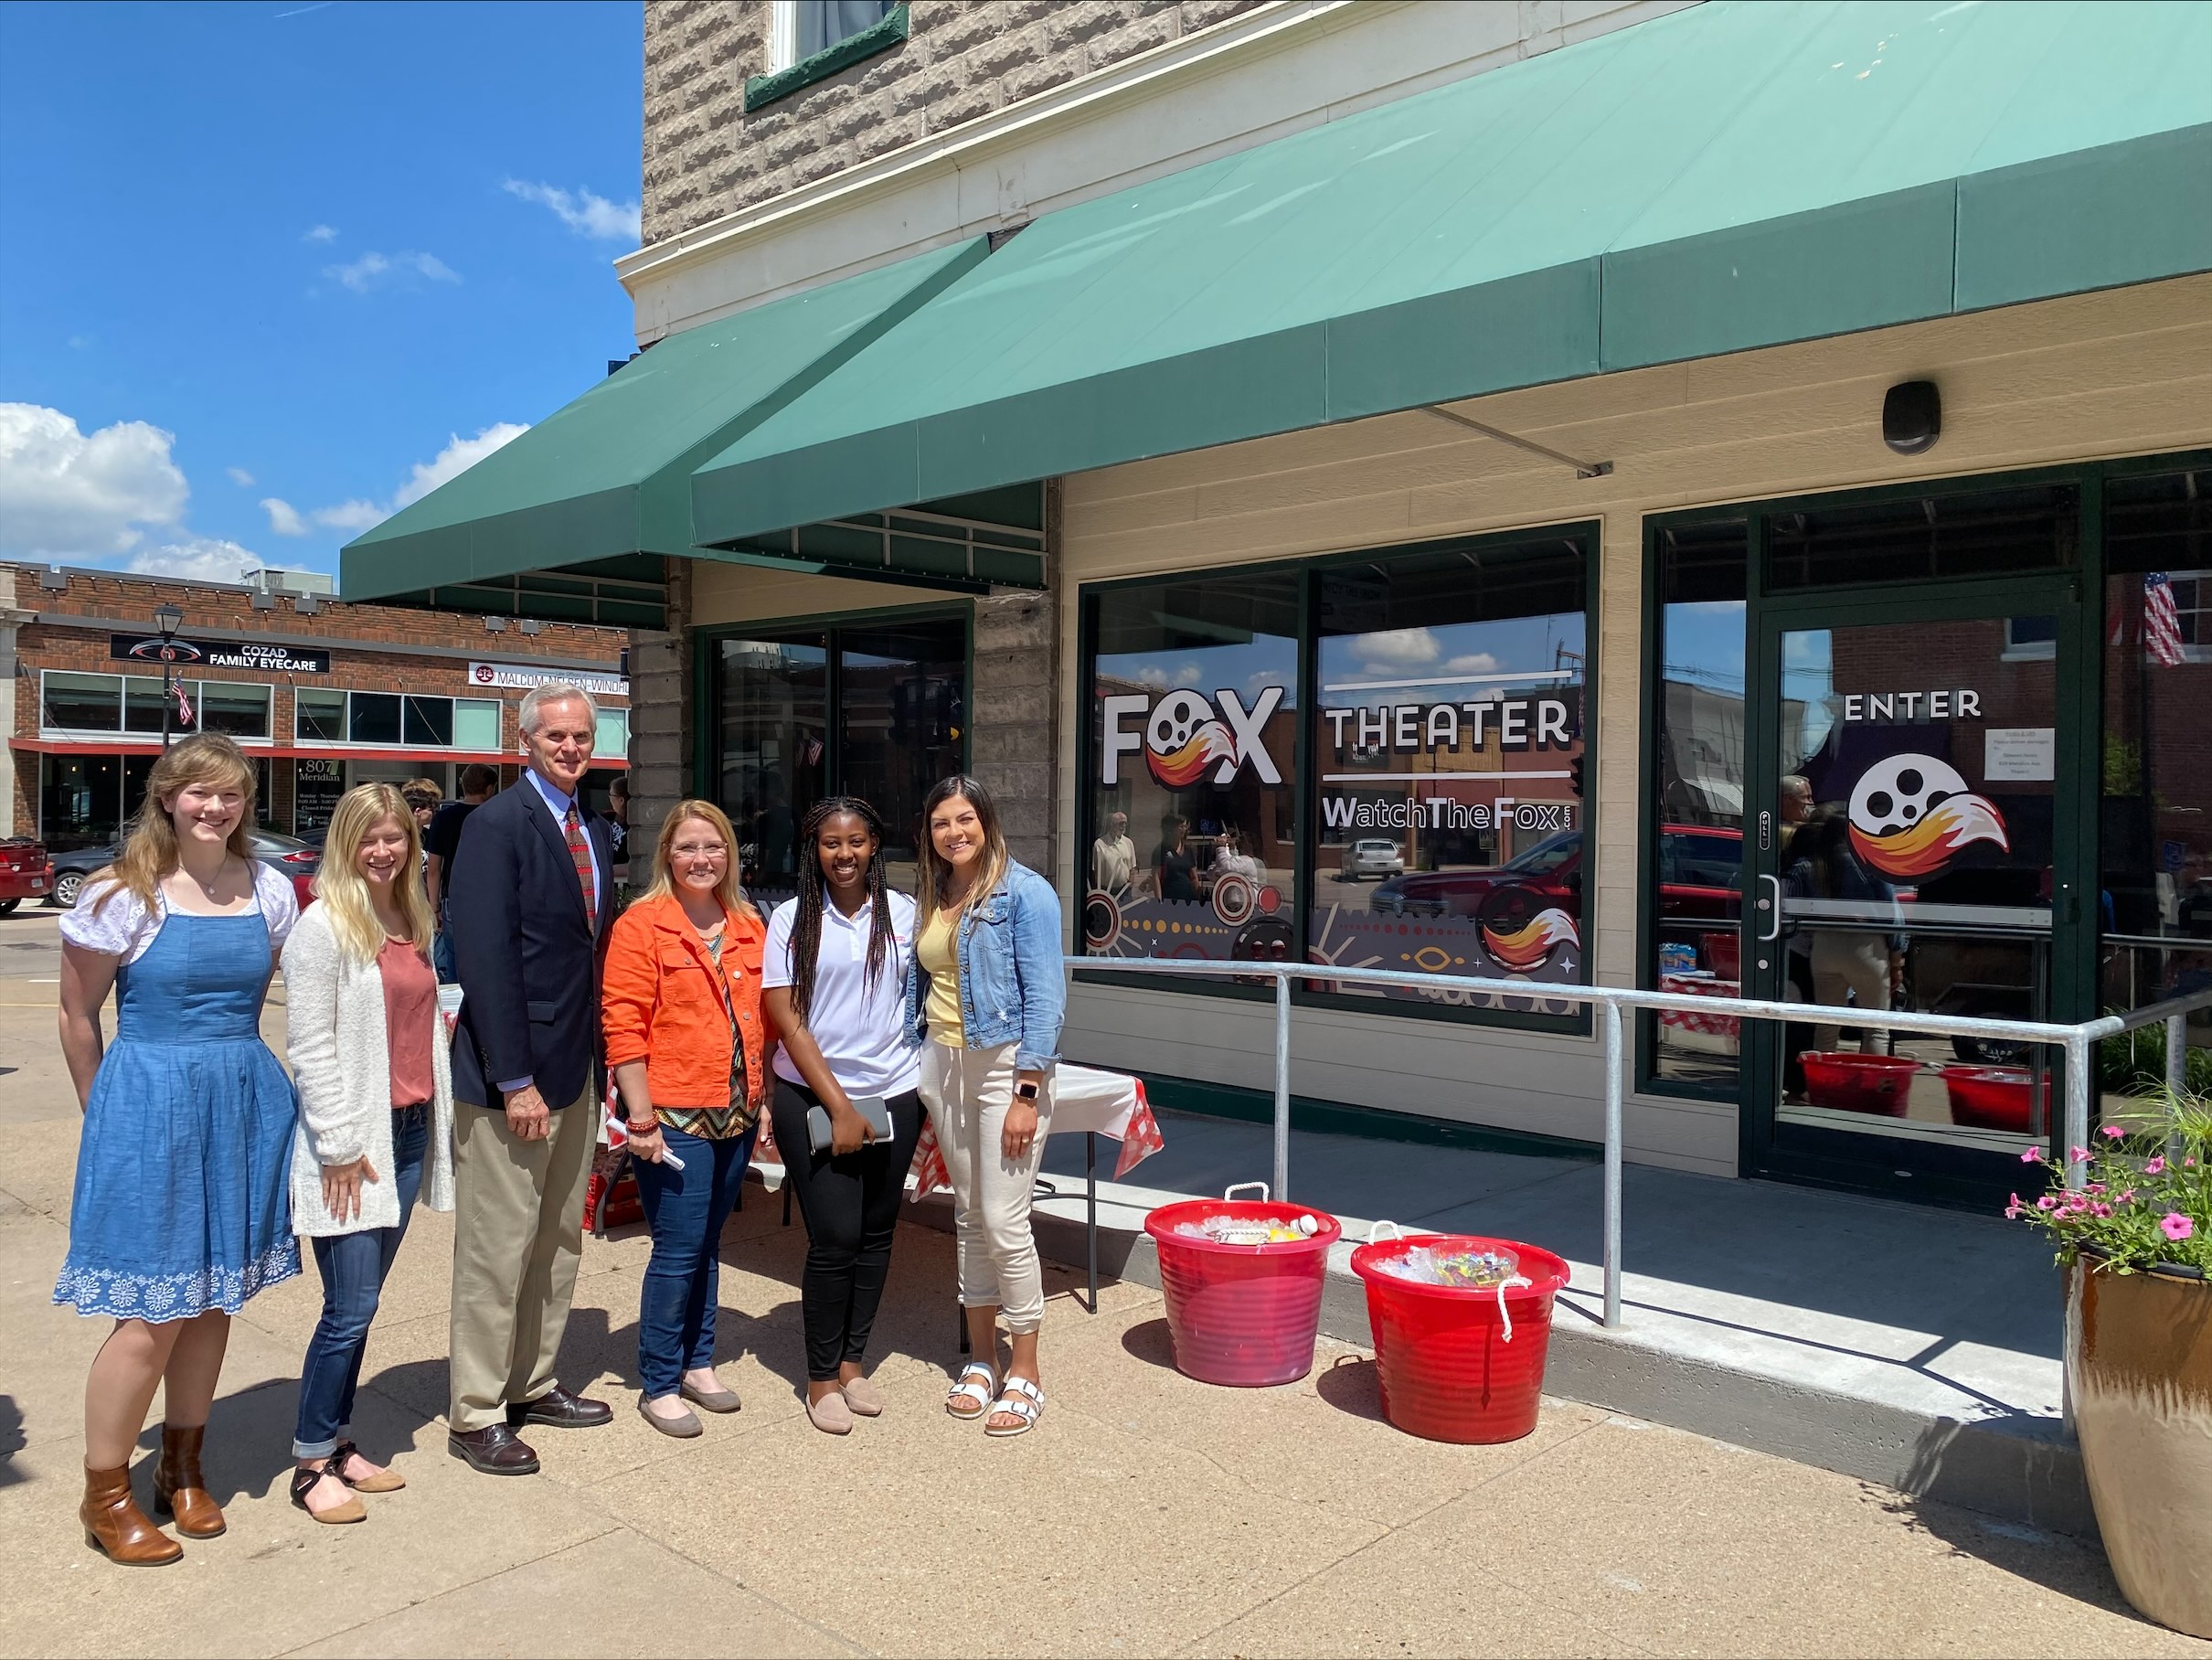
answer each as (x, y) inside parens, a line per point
(336, 1040)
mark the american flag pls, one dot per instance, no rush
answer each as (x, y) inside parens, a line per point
(2160, 624)
(184, 704)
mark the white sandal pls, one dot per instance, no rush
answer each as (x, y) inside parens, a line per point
(1019, 1398)
(966, 1389)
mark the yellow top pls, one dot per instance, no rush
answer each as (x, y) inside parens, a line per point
(938, 951)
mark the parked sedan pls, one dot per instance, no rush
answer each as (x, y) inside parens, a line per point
(25, 872)
(289, 854)
(1375, 857)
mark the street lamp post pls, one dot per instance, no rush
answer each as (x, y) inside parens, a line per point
(168, 619)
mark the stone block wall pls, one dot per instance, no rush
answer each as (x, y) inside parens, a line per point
(661, 721)
(705, 156)
(1010, 707)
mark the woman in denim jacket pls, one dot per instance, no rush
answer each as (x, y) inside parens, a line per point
(984, 1001)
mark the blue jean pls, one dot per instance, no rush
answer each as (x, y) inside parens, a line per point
(354, 1266)
(685, 1209)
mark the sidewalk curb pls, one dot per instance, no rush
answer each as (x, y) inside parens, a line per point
(2017, 1468)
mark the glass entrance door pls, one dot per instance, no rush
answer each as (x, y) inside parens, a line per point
(1913, 848)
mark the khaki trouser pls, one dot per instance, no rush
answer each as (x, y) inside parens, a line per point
(967, 1092)
(1855, 964)
(518, 1226)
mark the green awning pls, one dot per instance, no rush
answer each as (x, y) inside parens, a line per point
(573, 517)
(1727, 176)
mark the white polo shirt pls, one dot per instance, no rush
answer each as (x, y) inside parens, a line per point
(855, 1024)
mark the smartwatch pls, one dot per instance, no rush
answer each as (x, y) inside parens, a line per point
(1024, 1091)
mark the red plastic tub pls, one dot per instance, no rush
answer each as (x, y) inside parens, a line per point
(1990, 1098)
(1447, 1367)
(1858, 1083)
(1242, 1314)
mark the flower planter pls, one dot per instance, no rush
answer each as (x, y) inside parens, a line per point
(2139, 1364)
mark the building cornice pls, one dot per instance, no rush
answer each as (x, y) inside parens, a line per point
(1268, 28)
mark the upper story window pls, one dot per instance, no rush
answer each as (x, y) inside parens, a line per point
(78, 706)
(800, 28)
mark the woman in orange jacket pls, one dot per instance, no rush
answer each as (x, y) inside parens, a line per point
(682, 1003)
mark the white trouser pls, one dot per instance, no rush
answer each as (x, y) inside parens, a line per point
(1853, 962)
(967, 1092)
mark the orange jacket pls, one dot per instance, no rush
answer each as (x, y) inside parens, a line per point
(660, 1006)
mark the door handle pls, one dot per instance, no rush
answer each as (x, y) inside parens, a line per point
(1775, 932)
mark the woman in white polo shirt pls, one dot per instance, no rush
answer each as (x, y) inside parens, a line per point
(835, 987)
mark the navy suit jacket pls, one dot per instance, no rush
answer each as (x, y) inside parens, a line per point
(528, 962)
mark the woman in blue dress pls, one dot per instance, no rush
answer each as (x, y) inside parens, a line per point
(181, 1211)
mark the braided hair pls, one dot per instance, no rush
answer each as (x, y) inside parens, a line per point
(806, 924)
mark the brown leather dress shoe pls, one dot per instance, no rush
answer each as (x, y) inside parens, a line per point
(115, 1524)
(494, 1450)
(558, 1410)
(180, 1489)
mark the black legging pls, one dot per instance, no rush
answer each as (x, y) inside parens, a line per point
(851, 1206)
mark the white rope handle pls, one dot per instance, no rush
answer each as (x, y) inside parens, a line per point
(1234, 1188)
(1375, 1231)
(1503, 1317)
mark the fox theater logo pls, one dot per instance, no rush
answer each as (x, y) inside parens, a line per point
(1186, 736)
(1912, 814)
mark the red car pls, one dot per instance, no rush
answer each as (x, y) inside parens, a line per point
(1700, 876)
(25, 872)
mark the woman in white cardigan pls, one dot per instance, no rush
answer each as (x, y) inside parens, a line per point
(376, 1128)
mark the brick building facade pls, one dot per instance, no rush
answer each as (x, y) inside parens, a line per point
(326, 693)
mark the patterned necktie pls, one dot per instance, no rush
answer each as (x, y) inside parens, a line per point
(579, 849)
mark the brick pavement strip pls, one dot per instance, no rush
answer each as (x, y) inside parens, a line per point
(1146, 1514)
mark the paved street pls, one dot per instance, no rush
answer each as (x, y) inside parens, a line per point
(1147, 1515)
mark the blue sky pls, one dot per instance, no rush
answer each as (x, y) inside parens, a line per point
(271, 268)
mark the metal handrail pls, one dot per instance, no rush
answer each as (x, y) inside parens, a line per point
(2075, 1038)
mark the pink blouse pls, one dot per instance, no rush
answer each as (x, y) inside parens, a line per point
(410, 1005)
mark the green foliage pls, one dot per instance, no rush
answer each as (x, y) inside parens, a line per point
(2134, 1063)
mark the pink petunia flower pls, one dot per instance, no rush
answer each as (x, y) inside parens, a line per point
(2045, 1202)
(2100, 1210)
(2154, 1166)
(2175, 1225)
(2033, 1155)
(2127, 1196)
(2114, 1131)
(2078, 1155)
(2097, 1188)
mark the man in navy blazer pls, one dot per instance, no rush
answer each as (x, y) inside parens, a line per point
(529, 899)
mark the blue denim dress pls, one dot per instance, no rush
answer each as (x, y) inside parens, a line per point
(182, 1202)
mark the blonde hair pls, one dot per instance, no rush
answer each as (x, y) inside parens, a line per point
(149, 853)
(730, 890)
(344, 890)
(936, 873)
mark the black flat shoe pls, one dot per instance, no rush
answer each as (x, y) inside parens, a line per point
(558, 1410)
(494, 1450)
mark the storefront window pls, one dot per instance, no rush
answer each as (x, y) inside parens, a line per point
(80, 702)
(373, 717)
(1984, 533)
(774, 716)
(1449, 766)
(1191, 848)
(141, 707)
(2155, 858)
(610, 736)
(318, 717)
(1693, 888)
(902, 715)
(476, 725)
(240, 710)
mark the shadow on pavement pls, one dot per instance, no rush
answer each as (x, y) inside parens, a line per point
(11, 1441)
(1350, 1385)
(1148, 1341)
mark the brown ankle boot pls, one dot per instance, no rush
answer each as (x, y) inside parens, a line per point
(180, 1490)
(113, 1522)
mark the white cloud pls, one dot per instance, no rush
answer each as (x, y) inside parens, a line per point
(1399, 649)
(352, 516)
(372, 269)
(1190, 673)
(320, 233)
(67, 495)
(458, 456)
(1474, 663)
(587, 212)
(283, 518)
(200, 558)
(240, 477)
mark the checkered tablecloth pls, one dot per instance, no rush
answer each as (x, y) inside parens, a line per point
(1700, 986)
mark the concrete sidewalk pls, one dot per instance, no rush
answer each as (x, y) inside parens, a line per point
(1146, 1514)
(1913, 1346)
